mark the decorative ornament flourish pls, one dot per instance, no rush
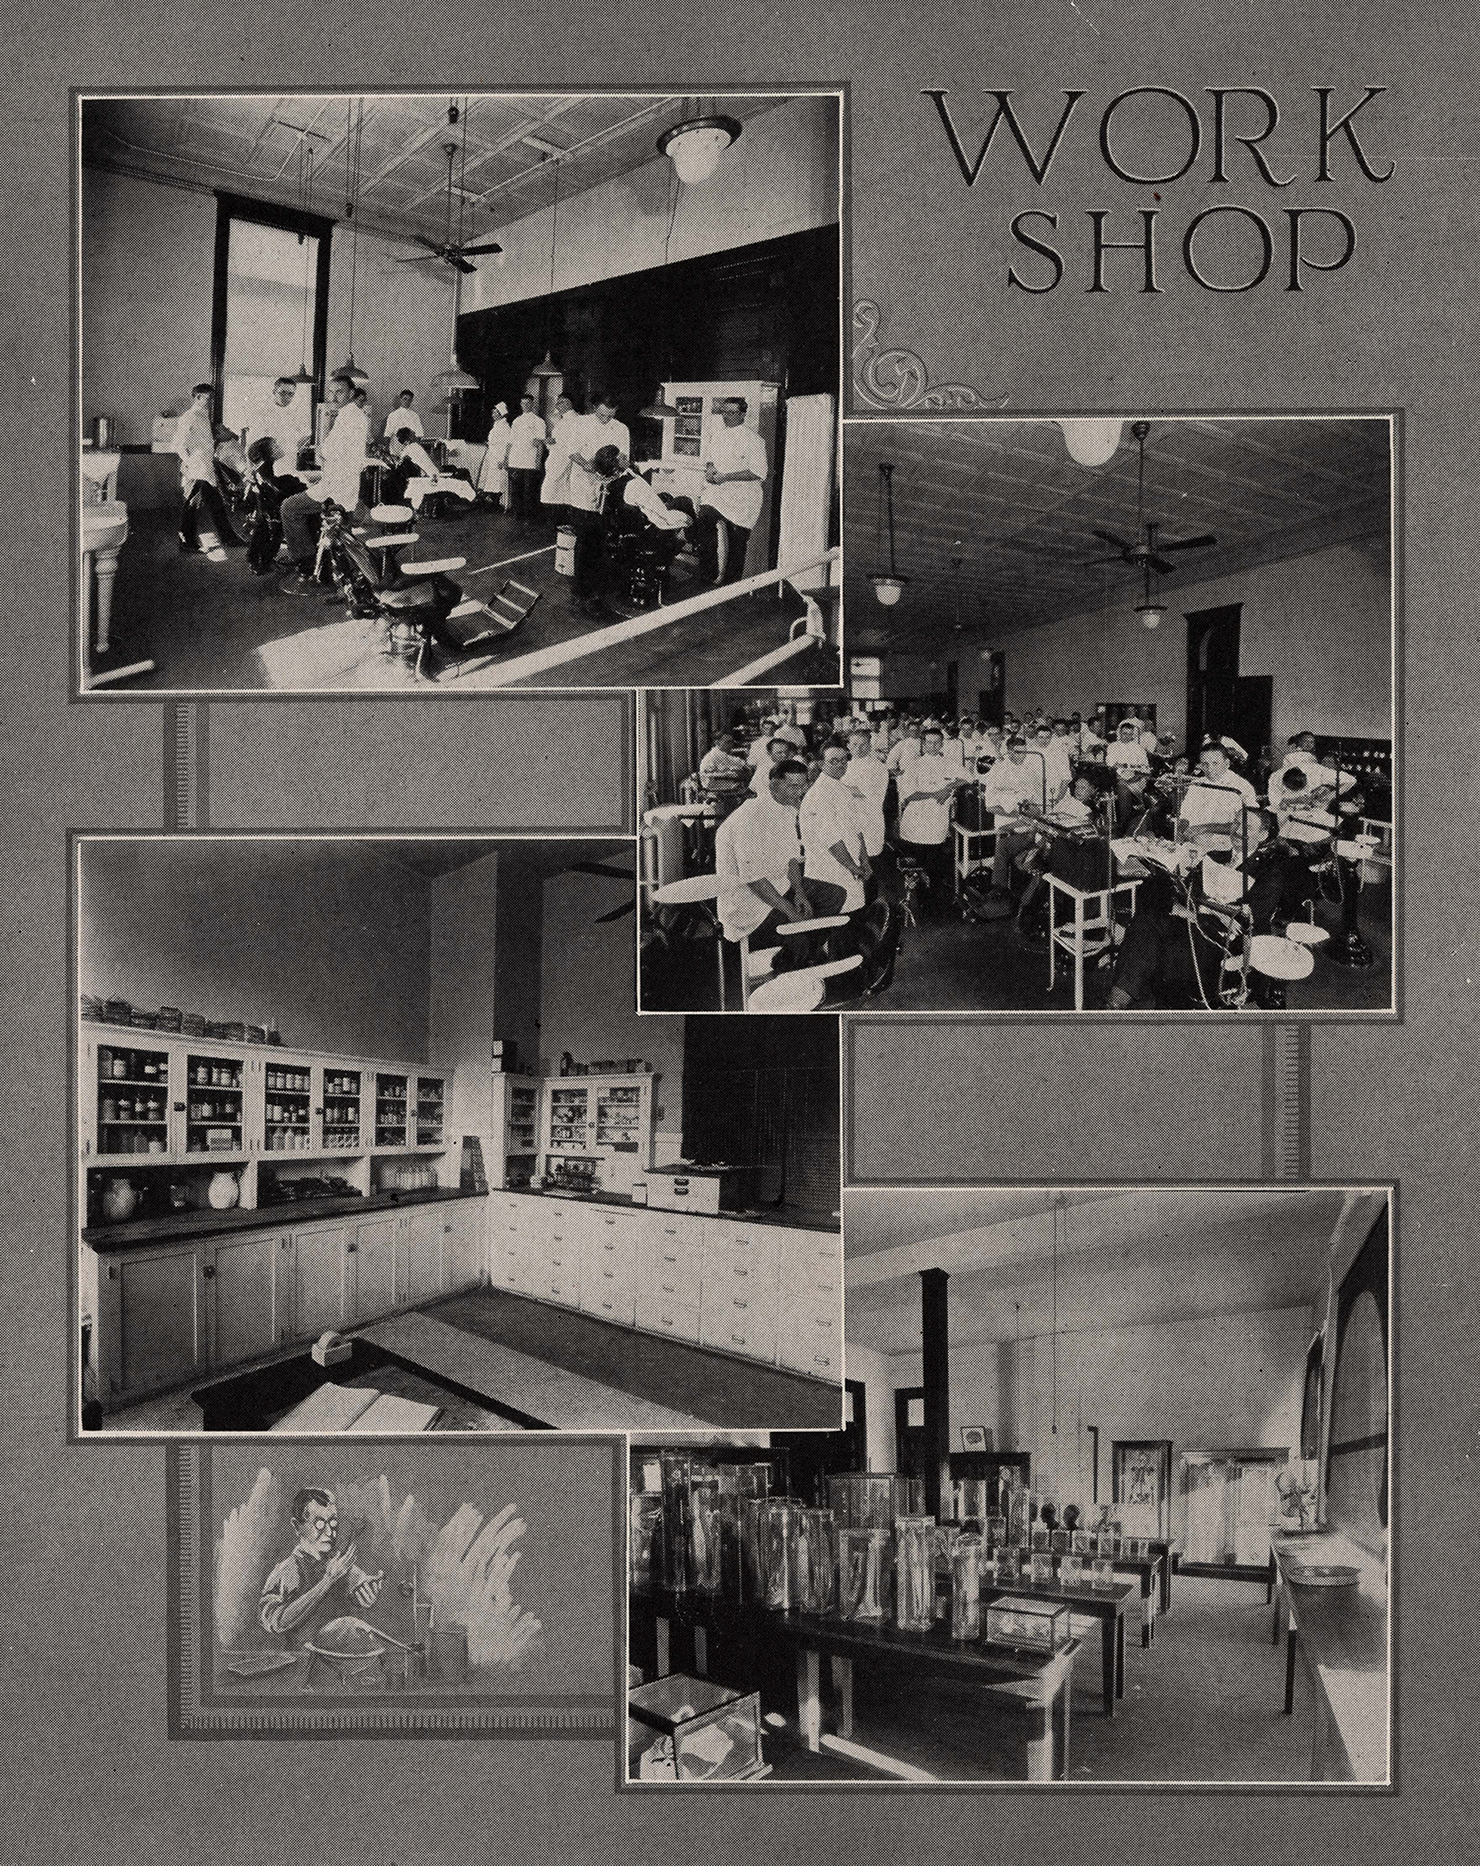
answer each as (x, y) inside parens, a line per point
(899, 378)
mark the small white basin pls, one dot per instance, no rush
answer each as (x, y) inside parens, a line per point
(100, 464)
(104, 527)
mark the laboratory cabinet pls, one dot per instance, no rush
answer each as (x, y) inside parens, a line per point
(766, 1292)
(165, 1313)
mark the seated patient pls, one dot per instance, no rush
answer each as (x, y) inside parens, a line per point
(1172, 954)
(415, 475)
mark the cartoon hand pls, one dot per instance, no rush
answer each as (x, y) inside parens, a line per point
(340, 1563)
(368, 1591)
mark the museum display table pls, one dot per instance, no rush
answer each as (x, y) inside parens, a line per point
(1343, 1639)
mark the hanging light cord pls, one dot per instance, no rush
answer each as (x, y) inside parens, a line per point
(353, 202)
(1057, 1209)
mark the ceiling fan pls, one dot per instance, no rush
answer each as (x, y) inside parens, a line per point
(1148, 551)
(455, 253)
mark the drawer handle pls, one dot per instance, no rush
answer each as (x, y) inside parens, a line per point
(668, 1257)
(668, 1289)
(666, 1320)
(740, 1338)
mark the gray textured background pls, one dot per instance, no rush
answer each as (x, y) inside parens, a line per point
(90, 1773)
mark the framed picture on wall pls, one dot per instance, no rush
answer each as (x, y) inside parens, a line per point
(975, 1438)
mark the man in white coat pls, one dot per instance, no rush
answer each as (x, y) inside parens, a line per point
(526, 456)
(343, 462)
(730, 503)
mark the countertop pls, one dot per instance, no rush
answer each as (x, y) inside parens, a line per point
(290, 1213)
(796, 1217)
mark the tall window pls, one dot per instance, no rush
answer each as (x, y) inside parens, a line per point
(270, 310)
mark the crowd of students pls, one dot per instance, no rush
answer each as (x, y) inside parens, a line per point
(818, 820)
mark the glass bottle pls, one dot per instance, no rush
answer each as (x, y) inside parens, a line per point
(914, 1566)
(966, 1588)
(861, 1574)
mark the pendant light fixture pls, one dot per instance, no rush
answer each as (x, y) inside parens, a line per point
(1091, 443)
(305, 203)
(547, 369)
(350, 367)
(888, 584)
(659, 408)
(455, 380)
(695, 145)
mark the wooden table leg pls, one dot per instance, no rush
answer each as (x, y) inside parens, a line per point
(809, 1697)
(1290, 1668)
(1269, 1580)
(1274, 1623)
(664, 1660)
(1068, 1697)
(842, 1683)
(1120, 1655)
(701, 1652)
(1148, 1610)
(1107, 1661)
(1040, 1740)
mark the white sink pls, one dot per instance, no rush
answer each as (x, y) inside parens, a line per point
(104, 527)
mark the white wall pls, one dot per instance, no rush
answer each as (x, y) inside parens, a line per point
(587, 996)
(148, 263)
(1320, 624)
(1216, 1381)
(877, 1374)
(780, 177)
(463, 965)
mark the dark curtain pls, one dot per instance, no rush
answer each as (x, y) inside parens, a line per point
(763, 1091)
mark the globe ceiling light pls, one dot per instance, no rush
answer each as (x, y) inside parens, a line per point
(888, 589)
(695, 146)
(1151, 613)
(1091, 443)
(888, 584)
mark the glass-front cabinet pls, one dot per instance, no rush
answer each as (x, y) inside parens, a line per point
(342, 1106)
(288, 1104)
(215, 1103)
(431, 1102)
(390, 1109)
(606, 1119)
(569, 1122)
(131, 1090)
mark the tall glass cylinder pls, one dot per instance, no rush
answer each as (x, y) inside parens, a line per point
(863, 1499)
(677, 1469)
(816, 1562)
(861, 1573)
(645, 1538)
(704, 1531)
(753, 1550)
(966, 1588)
(782, 1520)
(973, 1500)
(914, 1570)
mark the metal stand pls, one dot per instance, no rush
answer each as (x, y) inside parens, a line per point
(1349, 948)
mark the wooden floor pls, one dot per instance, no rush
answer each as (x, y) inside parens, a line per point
(216, 627)
(498, 1362)
(1203, 1704)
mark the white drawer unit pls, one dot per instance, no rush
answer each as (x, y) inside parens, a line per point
(657, 1311)
(609, 1266)
(810, 1339)
(739, 1307)
(671, 1259)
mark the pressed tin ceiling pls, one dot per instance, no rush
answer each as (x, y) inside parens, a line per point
(1006, 498)
(251, 145)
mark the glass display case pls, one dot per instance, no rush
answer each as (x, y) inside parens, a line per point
(677, 1470)
(715, 1732)
(782, 1517)
(133, 1100)
(341, 1110)
(914, 1573)
(1007, 1563)
(743, 1488)
(703, 1563)
(568, 1119)
(816, 1562)
(645, 1538)
(213, 1104)
(864, 1499)
(969, 1495)
(390, 1109)
(1071, 1571)
(994, 1532)
(1102, 1572)
(1040, 1568)
(431, 1105)
(619, 1117)
(966, 1588)
(1036, 1625)
(1141, 1485)
(862, 1573)
(1022, 1505)
(288, 1108)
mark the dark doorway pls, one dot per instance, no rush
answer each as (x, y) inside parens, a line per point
(910, 1454)
(1251, 717)
(990, 699)
(1212, 674)
(816, 1456)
